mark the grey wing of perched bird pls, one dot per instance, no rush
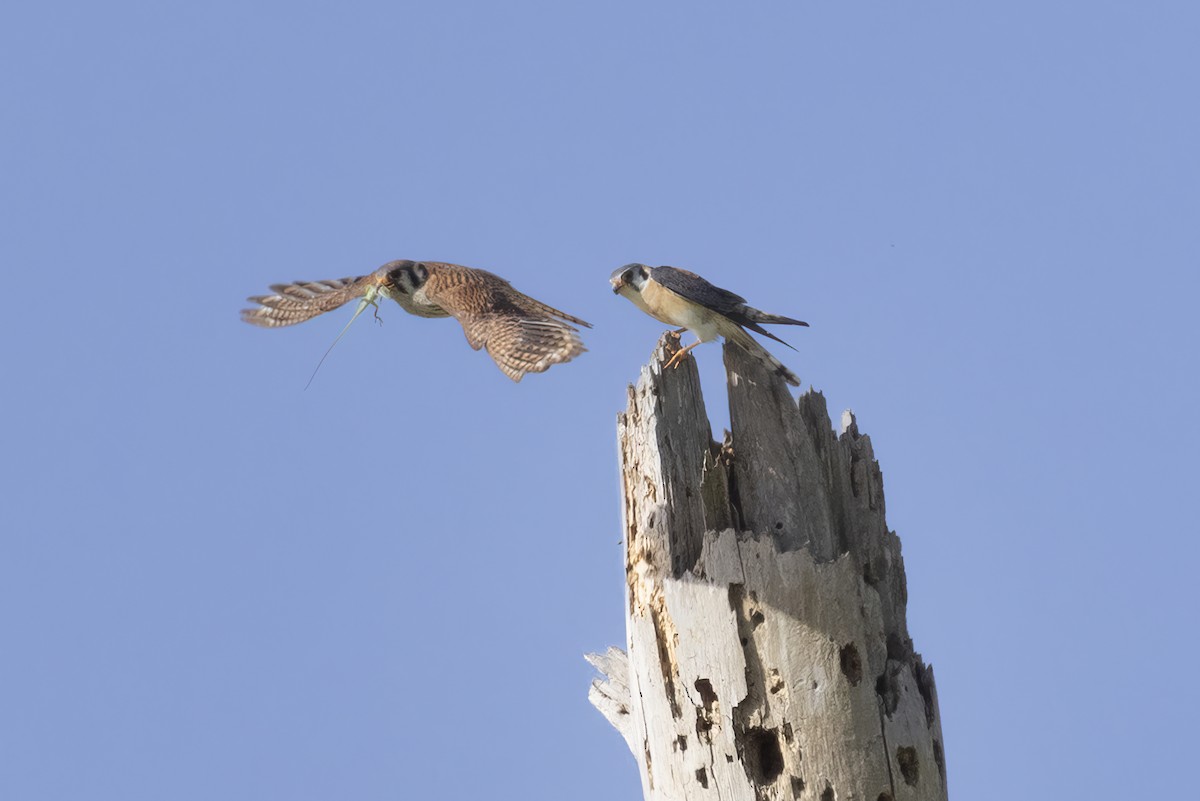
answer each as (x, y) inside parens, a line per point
(692, 287)
(296, 302)
(521, 334)
(682, 298)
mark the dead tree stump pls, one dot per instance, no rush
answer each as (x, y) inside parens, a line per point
(768, 652)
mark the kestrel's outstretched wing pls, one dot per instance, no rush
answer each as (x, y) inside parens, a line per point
(303, 300)
(522, 335)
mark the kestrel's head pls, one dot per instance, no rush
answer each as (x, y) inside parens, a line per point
(407, 276)
(629, 279)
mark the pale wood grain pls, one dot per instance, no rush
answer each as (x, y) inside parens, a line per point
(768, 654)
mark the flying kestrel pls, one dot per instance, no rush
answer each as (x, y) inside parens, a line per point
(521, 334)
(682, 298)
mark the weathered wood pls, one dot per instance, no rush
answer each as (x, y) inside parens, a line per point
(768, 654)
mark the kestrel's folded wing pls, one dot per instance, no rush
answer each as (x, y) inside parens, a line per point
(688, 285)
(522, 335)
(303, 300)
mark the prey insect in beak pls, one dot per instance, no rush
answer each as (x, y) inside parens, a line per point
(368, 300)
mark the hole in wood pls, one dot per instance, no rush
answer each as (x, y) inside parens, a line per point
(910, 769)
(757, 618)
(681, 743)
(851, 663)
(888, 691)
(702, 777)
(761, 755)
(704, 714)
(797, 787)
(827, 794)
(885, 796)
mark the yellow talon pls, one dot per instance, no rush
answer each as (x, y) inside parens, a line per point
(676, 358)
(679, 355)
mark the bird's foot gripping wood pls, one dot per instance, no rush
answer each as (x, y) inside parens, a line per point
(679, 356)
(676, 359)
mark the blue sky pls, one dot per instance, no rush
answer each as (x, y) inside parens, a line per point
(214, 584)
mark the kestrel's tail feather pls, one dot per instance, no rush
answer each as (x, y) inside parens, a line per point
(760, 316)
(752, 317)
(304, 300)
(755, 349)
(553, 312)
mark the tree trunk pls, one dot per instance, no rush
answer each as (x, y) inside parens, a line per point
(768, 653)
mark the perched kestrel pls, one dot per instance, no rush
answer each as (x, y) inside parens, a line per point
(521, 334)
(678, 297)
